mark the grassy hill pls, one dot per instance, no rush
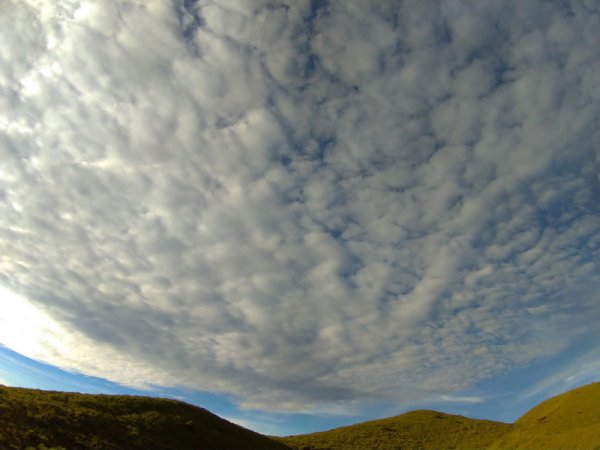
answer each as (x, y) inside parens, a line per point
(42, 419)
(567, 421)
(414, 430)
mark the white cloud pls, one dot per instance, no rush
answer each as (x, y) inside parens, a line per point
(297, 206)
(461, 399)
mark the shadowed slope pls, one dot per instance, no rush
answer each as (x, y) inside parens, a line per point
(41, 419)
(36, 418)
(414, 430)
(570, 420)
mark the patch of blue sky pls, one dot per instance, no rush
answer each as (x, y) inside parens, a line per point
(508, 396)
(19, 371)
(502, 398)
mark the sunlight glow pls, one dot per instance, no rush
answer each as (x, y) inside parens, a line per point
(28, 330)
(25, 328)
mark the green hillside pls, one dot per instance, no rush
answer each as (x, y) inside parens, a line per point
(414, 430)
(567, 421)
(42, 419)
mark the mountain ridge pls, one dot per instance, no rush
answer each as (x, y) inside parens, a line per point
(37, 419)
(570, 420)
(419, 429)
(32, 418)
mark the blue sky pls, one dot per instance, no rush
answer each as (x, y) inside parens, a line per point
(301, 214)
(502, 398)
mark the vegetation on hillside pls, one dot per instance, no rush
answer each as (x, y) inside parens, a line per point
(40, 420)
(414, 430)
(567, 421)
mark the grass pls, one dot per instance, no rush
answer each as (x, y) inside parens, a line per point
(421, 429)
(45, 420)
(42, 419)
(567, 421)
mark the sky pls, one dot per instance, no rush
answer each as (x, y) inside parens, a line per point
(301, 214)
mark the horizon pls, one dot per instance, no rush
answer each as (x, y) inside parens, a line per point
(19, 371)
(54, 379)
(301, 215)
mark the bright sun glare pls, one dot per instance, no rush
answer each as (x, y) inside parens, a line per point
(25, 328)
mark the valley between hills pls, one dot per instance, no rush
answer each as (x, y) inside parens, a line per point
(43, 420)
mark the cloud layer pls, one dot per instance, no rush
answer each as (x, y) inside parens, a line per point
(301, 204)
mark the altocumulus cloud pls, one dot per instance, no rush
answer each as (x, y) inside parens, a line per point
(302, 204)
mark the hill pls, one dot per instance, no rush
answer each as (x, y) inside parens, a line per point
(567, 421)
(34, 419)
(44, 419)
(421, 429)
(570, 420)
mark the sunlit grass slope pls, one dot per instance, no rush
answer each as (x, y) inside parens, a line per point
(567, 421)
(414, 430)
(42, 419)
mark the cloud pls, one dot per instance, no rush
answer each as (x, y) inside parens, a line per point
(460, 399)
(302, 205)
